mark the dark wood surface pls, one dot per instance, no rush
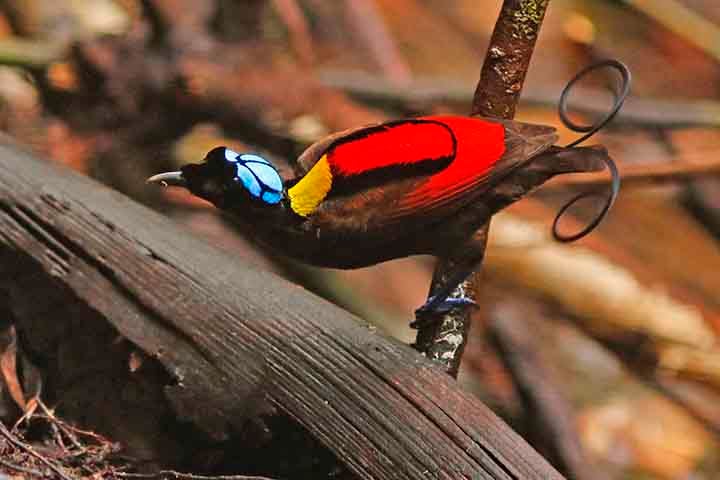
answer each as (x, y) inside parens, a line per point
(225, 331)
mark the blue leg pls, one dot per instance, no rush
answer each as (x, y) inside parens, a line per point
(436, 304)
(442, 302)
(457, 267)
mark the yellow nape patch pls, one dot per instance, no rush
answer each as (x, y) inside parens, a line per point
(307, 194)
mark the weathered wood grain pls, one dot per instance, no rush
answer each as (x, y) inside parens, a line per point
(224, 332)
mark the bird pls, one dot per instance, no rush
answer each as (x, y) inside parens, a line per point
(412, 186)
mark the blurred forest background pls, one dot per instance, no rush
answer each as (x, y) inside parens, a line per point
(620, 329)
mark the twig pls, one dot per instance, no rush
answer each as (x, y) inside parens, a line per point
(681, 170)
(497, 93)
(643, 369)
(703, 202)
(297, 26)
(18, 468)
(57, 434)
(30, 53)
(369, 24)
(173, 475)
(60, 426)
(28, 413)
(98, 438)
(422, 93)
(684, 22)
(711, 423)
(31, 451)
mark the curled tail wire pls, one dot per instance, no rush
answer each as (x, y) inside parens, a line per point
(620, 94)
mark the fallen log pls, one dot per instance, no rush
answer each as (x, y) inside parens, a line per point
(75, 255)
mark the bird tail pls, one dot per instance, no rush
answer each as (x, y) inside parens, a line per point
(559, 160)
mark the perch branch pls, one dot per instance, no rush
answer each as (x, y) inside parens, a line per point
(501, 80)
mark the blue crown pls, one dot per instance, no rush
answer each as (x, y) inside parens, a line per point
(257, 175)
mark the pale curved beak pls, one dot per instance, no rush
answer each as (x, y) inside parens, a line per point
(168, 179)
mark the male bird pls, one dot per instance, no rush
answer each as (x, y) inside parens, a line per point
(363, 196)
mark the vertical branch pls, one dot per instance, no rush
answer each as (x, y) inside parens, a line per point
(508, 58)
(300, 37)
(497, 93)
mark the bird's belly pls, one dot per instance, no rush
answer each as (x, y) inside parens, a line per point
(351, 254)
(346, 241)
(348, 249)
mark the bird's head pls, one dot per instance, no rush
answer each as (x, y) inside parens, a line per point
(229, 179)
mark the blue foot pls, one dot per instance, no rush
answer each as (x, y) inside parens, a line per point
(437, 306)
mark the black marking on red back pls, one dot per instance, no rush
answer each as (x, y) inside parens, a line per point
(349, 184)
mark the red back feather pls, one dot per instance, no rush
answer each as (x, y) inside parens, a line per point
(465, 150)
(480, 144)
(402, 143)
